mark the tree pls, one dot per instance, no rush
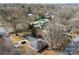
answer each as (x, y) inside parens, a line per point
(74, 24)
(65, 13)
(56, 36)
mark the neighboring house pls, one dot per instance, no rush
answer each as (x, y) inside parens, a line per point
(6, 46)
(72, 48)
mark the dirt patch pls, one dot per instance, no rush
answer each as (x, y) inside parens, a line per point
(50, 52)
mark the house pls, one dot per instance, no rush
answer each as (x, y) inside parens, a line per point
(36, 44)
(6, 46)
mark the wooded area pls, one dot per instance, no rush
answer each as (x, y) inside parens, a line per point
(38, 28)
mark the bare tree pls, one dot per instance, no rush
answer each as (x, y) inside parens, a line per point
(57, 36)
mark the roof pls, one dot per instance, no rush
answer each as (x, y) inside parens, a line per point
(36, 43)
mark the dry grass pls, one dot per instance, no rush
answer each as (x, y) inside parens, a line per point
(24, 49)
(50, 52)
